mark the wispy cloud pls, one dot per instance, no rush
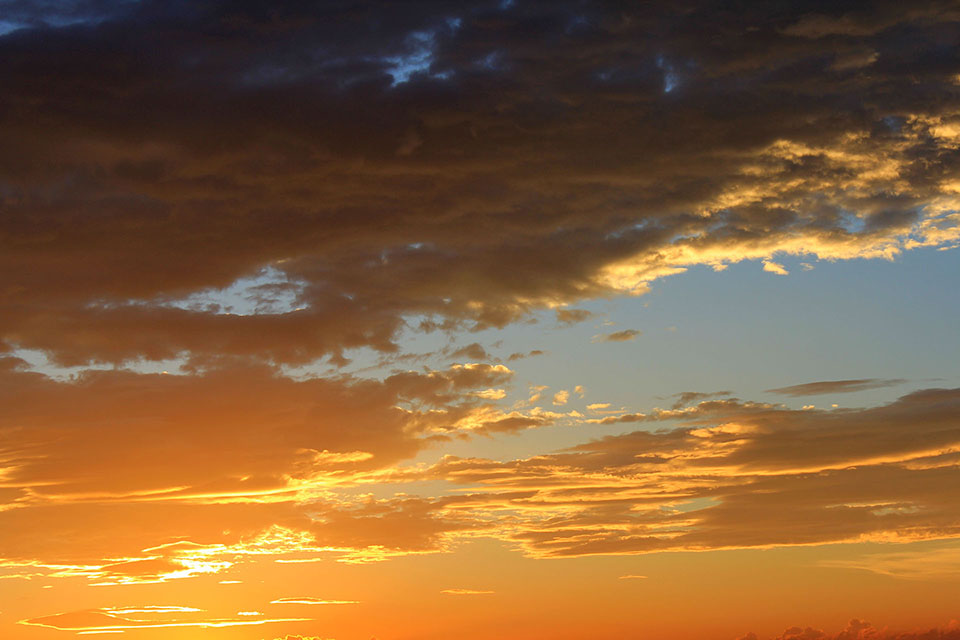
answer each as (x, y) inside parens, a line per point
(911, 564)
(627, 335)
(101, 620)
(836, 386)
(312, 601)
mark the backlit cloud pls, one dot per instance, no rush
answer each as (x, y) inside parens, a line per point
(424, 193)
(729, 476)
(773, 267)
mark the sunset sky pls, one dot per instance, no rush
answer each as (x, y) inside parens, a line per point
(503, 319)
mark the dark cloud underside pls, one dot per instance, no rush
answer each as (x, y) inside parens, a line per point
(469, 162)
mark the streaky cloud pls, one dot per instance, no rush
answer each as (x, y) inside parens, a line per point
(836, 386)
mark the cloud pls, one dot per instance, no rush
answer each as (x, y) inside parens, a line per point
(234, 409)
(572, 316)
(152, 609)
(242, 191)
(858, 630)
(561, 397)
(627, 335)
(529, 354)
(686, 397)
(835, 386)
(171, 403)
(102, 620)
(466, 592)
(427, 187)
(909, 565)
(129, 453)
(311, 601)
(491, 394)
(773, 267)
(473, 351)
(729, 474)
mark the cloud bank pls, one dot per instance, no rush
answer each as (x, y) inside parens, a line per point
(434, 168)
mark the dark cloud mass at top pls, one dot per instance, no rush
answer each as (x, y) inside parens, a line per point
(464, 162)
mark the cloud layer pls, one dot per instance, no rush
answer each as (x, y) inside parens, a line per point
(733, 475)
(436, 167)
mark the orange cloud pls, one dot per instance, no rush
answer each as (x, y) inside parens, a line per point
(728, 478)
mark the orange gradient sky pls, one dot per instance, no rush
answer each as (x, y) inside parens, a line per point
(496, 319)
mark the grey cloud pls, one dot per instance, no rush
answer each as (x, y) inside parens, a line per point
(473, 351)
(836, 386)
(627, 335)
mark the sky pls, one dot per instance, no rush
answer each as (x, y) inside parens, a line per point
(488, 319)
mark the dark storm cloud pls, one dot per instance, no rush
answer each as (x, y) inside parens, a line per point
(445, 164)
